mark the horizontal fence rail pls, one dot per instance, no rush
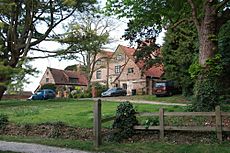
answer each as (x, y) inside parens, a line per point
(218, 128)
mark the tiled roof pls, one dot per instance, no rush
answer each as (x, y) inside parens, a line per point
(61, 77)
(154, 71)
(107, 53)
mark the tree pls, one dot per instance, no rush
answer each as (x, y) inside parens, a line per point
(208, 16)
(85, 40)
(224, 43)
(20, 29)
(179, 51)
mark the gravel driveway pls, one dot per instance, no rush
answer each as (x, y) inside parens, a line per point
(34, 148)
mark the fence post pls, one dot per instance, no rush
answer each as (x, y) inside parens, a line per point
(161, 118)
(218, 123)
(97, 123)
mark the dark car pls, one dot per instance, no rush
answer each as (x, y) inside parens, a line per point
(114, 92)
(165, 88)
(43, 95)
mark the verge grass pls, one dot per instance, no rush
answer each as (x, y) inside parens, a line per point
(150, 147)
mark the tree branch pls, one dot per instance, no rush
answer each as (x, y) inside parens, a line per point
(121, 71)
(44, 51)
(41, 57)
(52, 25)
(180, 22)
(194, 14)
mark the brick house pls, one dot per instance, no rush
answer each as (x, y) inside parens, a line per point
(101, 71)
(122, 71)
(64, 80)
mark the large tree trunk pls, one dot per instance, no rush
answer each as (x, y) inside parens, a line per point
(208, 34)
(206, 87)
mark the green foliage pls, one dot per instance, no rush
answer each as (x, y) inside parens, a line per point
(49, 86)
(147, 18)
(79, 68)
(151, 122)
(3, 121)
(213, 87)
(207, 89)
(148, 51)
(85, 39)
(178, 51)
(99, 89)
(207, 94)
(194, 69)
(150, 17)
(124, 121)
(224, 50)
(19, 22)
(80, 94)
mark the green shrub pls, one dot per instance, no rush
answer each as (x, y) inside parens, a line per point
(154, 121)
(99, 88)
(80, 94)
(207, 89)
(124, 122)
(3, 121)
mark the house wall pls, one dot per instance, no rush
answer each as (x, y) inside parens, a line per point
(47, 74)
(133, 81)
(103, 66)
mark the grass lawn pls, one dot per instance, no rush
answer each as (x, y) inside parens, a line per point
(80, 114)
(71, 112)
(150, 147)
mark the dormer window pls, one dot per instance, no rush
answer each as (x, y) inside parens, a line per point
(47, 80)
(73, 80)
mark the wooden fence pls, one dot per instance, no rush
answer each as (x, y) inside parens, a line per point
(219, 128)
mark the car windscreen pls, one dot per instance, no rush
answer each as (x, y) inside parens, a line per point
(39, 93)
(160, 84)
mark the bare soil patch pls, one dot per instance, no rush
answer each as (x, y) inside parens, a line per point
(59, 130)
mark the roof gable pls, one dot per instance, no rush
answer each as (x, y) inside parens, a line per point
(62, 77)
(154, 71)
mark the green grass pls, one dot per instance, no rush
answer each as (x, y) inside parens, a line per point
(71, 112)
(150, 147)
(80, 114)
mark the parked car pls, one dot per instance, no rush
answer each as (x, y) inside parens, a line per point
(114, 92)
(43, 95)
(165, 88)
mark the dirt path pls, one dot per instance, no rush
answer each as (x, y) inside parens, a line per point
(122, 99)
(34, 148)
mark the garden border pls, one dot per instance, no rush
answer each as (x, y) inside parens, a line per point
(161, 114)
